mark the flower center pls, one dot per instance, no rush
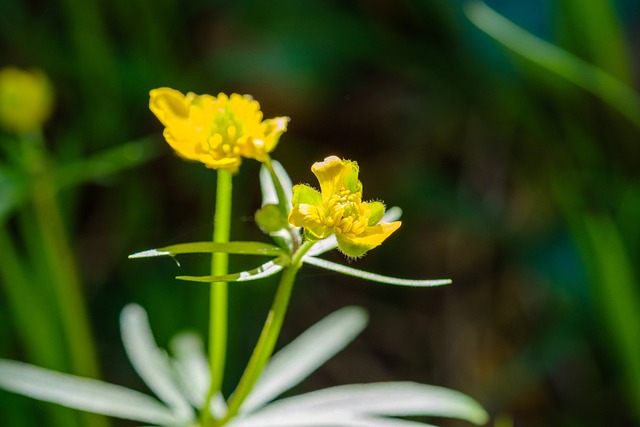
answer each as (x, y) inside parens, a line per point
(345, 213)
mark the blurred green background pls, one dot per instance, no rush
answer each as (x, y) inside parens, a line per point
(515, 162)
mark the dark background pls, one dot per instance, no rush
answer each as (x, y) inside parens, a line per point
(513, 181)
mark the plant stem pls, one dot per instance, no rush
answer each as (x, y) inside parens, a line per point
(61, 263)
(219, 292)
(269, 335)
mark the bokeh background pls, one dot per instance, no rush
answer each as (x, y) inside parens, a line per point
(518, 178)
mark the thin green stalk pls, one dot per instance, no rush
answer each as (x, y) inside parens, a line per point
(61, 262)
(219, 291)
(269, 335)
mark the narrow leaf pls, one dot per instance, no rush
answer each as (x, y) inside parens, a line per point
(384, 399)
(238, 248)
(339, 268)
(150, 362)
(193, 369)
(598, 82)
(82, 393)
(265, 270)
(321, 419)
(191, 365)
(305, 354)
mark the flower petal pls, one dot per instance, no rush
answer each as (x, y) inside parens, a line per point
(374, 236)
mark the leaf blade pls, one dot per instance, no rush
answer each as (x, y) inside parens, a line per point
(236, 248)
(349, 271)
(305, 354)
(82, 393)
(265, 270)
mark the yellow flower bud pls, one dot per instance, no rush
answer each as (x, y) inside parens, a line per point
(26, 99)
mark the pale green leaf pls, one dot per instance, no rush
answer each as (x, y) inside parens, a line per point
(193, 371)
(265, 270)
(83, 393)
(349, 271)
(320, 419)
(381, 399)
(236, 248)
(151, 363)
(269, 194)
(305, 354)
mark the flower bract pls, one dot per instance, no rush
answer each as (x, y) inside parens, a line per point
(338, 209)
(26, 99)
(216, 131)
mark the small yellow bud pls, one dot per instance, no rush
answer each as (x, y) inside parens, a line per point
(26, 99)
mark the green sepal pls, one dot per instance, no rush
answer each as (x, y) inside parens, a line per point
(303, 194)
(351, 181)
(377, 212)
(351, 249)
(237, 248)
(270, 219)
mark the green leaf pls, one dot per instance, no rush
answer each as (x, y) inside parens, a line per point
(608, 88)
(378, 399)
(150, 362)
(83, 393)
(339, 268)
(265, 270)
(305, 354)
(270, 219)
(303, 194)
(238, 248)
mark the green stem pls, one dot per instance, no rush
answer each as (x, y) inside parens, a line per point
(219, 291)
(269, 335)
(61, 263)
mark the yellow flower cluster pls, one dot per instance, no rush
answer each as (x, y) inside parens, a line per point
(216, 131)
(338, 209)
(26, 99)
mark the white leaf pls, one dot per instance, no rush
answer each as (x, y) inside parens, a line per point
(82, 393)
(349, 271)
(325, 419)
(305, 354)
(389, 399)
(150, 362)
(193, 369)
(269, 194)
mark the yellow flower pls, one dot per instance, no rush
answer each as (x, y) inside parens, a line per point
(26, 99)
(338, 209)
(217, 131)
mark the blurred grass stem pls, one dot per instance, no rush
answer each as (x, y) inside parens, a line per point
(61, 264)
